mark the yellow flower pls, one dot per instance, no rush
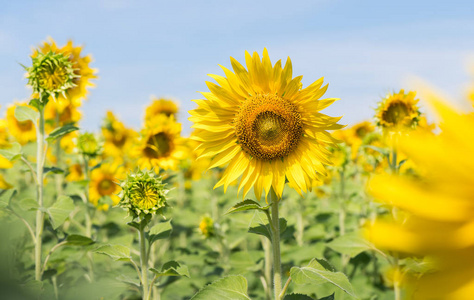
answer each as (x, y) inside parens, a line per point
(65, 112)
(75, 173)
(193, 168)
(80, 65)
(118, 138)
(3, 184)
(398, 112)
(265, 126)
(104, 182)
(4, 136)
(23, 132)
(439, 208)
(206, 226)
(160, 106)
(161, 145)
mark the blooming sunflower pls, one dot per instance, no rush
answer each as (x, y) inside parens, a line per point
(81, 68)
(161, 106)
(104, 182)
(117, 138)
(439, 207)
(4, 136)
(23, 132)
(263, 124)
(161, 145)
(75, 173)
(63, 112)
(398, 112)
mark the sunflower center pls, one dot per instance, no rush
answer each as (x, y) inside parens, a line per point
(396, 113)
(25, 125)
(268, 127)
(53, 77)
(106, 187)
(144, 196)
(158, 145)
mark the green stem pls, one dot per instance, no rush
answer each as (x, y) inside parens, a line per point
(342, 215)
(39, 191)
(59, 177)
(88, 219)
(268, 266)
(143, 262)
(276, 245)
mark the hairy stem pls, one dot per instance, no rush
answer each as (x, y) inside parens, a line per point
(276, 245)
(39, 191)
(143, 262)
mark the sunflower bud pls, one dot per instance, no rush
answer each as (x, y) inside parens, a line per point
(51, 74)
(207, 226)
(398, 112)
(88, 144)
(143, 193)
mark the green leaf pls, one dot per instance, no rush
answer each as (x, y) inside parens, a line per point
(6, 197)
(60, 210)
(171, 268)
(246, 205)
(265, 229)
(129, 280)
(116, 252)
(78, 240)
(228, 288)
(330, 297)
(53, 170)
(297, 297)
(317, 273)
(11, 153)
(350, 244)
(61, 131)
(28, 204)
(25, 113)
(160, 231)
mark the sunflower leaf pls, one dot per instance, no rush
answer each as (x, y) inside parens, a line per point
(246, 205)
(61, 131)
(318, 272)
(232, 287)
(160, 231)
(264, 229)
(297, 297)
(116, 252)
(60, 210)
(78, 240)
(25, 113)
(171, 268)
(11, 153)
(351, 244)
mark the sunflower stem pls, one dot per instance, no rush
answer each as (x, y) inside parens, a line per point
(276, 245)
(58, 177)
(39, 191)
(268, 266)
(143, 262)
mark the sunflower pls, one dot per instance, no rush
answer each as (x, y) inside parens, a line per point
(161, 145)
(75, 172)
(4, 136)
(58, 114)
(161, 106)
(23, 132)
(117, 138)
(104, 183)
(398, 112)
(439, 207)
(81, 68)
(265, 126)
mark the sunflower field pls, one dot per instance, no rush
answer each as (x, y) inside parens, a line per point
(268, 198)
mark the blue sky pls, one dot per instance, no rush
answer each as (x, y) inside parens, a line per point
(364, 49)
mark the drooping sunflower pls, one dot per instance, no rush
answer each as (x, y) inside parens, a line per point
(23, 132)
(160, 106)
(161, 145)
(81, 68)
(104, 183)
(398, 112)
(439, 210)
(263, 124)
